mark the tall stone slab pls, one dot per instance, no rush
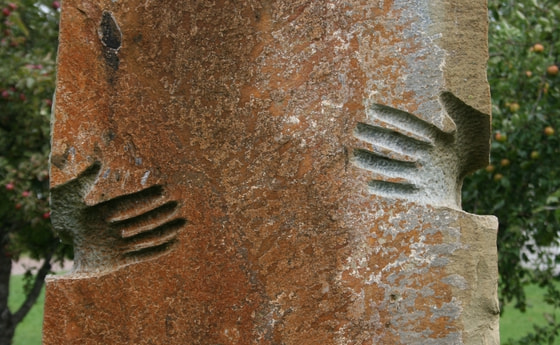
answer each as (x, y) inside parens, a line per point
(271, 172)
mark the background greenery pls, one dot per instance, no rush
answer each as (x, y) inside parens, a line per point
(515, 324)
(28, 44)
(29, 331)
(521, 185)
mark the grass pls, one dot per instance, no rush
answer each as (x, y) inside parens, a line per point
(513, 323)
(29, 331)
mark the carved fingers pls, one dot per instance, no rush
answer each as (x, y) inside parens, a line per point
(145, 222)
(409, 158)
(119, 231)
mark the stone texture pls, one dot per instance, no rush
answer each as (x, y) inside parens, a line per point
(271, 172)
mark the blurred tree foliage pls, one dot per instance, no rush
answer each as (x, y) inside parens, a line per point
(28, 44)
(522, 184)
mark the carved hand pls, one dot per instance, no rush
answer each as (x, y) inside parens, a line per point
(412, 159)
(123, 230)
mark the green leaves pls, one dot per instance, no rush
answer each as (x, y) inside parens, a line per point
(16, 20)
(525, 193)
(28, 43)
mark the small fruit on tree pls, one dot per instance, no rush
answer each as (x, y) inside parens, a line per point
(56, 5)
(548, 131)
(490, 168)
(529, 74)
(500, 137)
(538, 48)
(535, 155)
(552, 70)
(498, 177)
(10, 186)
(505, 162)
(514, 107)
(25, 193)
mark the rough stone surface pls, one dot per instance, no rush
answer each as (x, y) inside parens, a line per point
(271, 172)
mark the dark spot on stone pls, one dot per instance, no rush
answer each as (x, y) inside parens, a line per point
(108, 136)
(59, 161)
(111, 59)
(111, 38)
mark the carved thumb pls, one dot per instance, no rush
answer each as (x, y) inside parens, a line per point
(472, 134)
(67, 202)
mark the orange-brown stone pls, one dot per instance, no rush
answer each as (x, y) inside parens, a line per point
(271, 172)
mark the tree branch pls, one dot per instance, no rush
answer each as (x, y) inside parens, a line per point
(32, 296)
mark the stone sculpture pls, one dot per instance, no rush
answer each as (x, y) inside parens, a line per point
(271, 172)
